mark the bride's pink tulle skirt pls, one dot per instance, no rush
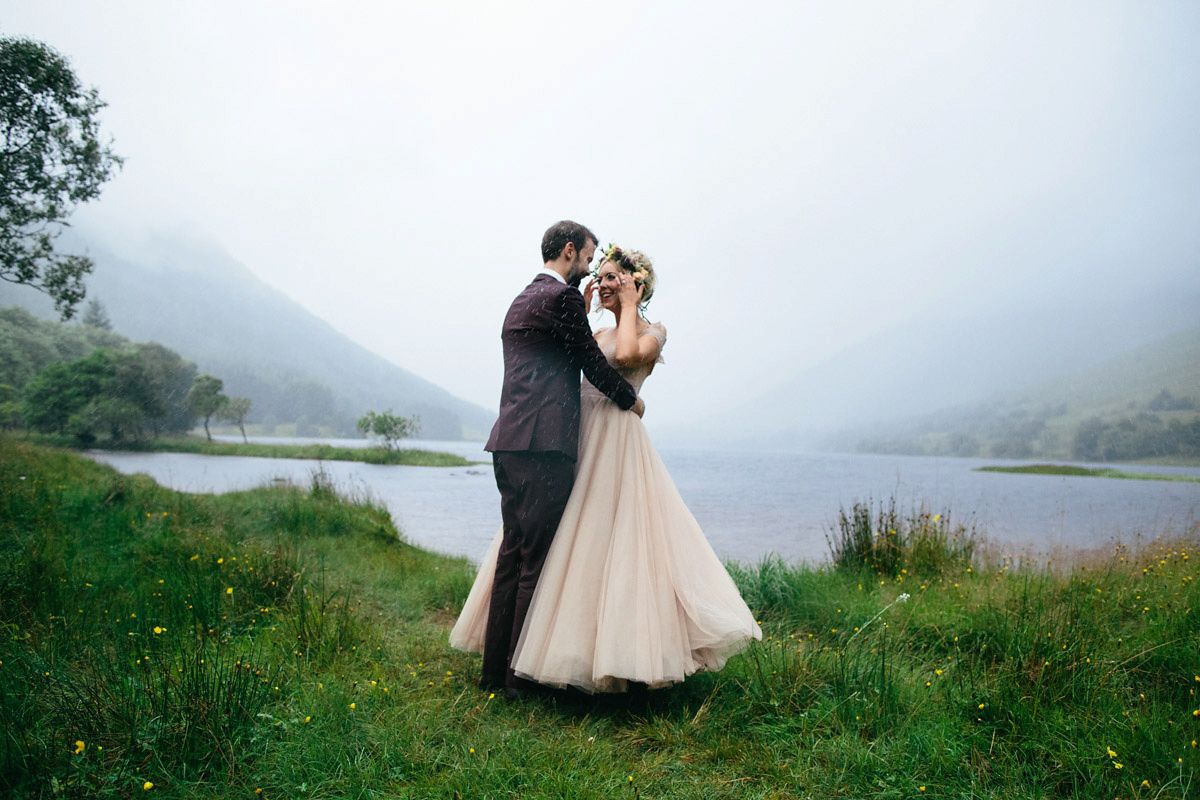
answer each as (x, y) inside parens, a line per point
(631, 589)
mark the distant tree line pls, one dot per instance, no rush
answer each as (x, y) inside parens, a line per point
(90, 383)
(1154, 429)
(282, 398)
(1165, 401)
(86, 381)
(1142, 435)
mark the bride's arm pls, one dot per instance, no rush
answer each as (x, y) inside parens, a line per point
(632, 350)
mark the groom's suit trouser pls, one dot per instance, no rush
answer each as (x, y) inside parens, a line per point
(534, 488)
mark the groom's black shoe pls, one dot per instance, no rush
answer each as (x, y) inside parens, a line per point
(521, 688)
(491, 684)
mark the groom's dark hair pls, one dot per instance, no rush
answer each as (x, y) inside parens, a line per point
(558, 234)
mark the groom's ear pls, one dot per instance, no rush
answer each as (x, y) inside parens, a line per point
(568, 251)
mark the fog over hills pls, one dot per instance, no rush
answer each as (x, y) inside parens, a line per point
(1142, 403)
(191, 296)
(194, 298)
(956, 359)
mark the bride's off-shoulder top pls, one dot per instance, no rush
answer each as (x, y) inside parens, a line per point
(635, 375)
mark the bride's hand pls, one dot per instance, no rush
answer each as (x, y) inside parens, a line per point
(629, 293)
(589, 292)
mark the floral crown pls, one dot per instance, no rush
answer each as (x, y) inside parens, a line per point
(635, 262)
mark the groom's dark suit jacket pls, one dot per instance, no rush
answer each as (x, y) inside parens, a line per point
(547, 343)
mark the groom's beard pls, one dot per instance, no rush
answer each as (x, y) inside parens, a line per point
(576, 272)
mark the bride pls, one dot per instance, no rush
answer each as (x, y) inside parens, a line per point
(630, 591)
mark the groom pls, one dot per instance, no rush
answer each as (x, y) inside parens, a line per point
(547, 342)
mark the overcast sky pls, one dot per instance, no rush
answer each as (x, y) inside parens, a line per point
(803, 174)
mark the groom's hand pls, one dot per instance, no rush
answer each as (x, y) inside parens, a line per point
(639, 407)
(589, 291)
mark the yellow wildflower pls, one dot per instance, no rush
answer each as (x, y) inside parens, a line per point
(79, 747)
(147, 786)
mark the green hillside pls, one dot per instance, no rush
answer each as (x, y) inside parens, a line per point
(301, 375)
(1141, 405)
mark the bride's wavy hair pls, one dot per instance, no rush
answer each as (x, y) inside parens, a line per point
(635, 263)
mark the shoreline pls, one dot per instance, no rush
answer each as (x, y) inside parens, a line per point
(412, 457)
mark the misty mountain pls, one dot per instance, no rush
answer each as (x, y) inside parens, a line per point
(1144, 403)
(948, 361)
(197, 300)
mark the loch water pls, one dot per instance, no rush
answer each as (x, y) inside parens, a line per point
(750, 504)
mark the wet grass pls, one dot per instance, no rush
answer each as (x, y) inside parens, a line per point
(316, 452)
(1087, 472)
(289, 640)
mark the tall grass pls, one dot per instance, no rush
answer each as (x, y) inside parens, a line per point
(888, 542)
(289, 640)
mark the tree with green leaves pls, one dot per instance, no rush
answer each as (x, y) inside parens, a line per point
(387, 428)
(206, 400)
(51, 160)
(104, 392)
(10, 407)
(235, 411)
(171, 376)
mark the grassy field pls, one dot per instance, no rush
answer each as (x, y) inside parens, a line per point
(325, 452)
(1087, 472)
(287, 642)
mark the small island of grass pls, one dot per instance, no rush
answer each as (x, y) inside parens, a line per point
(1088, 472)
